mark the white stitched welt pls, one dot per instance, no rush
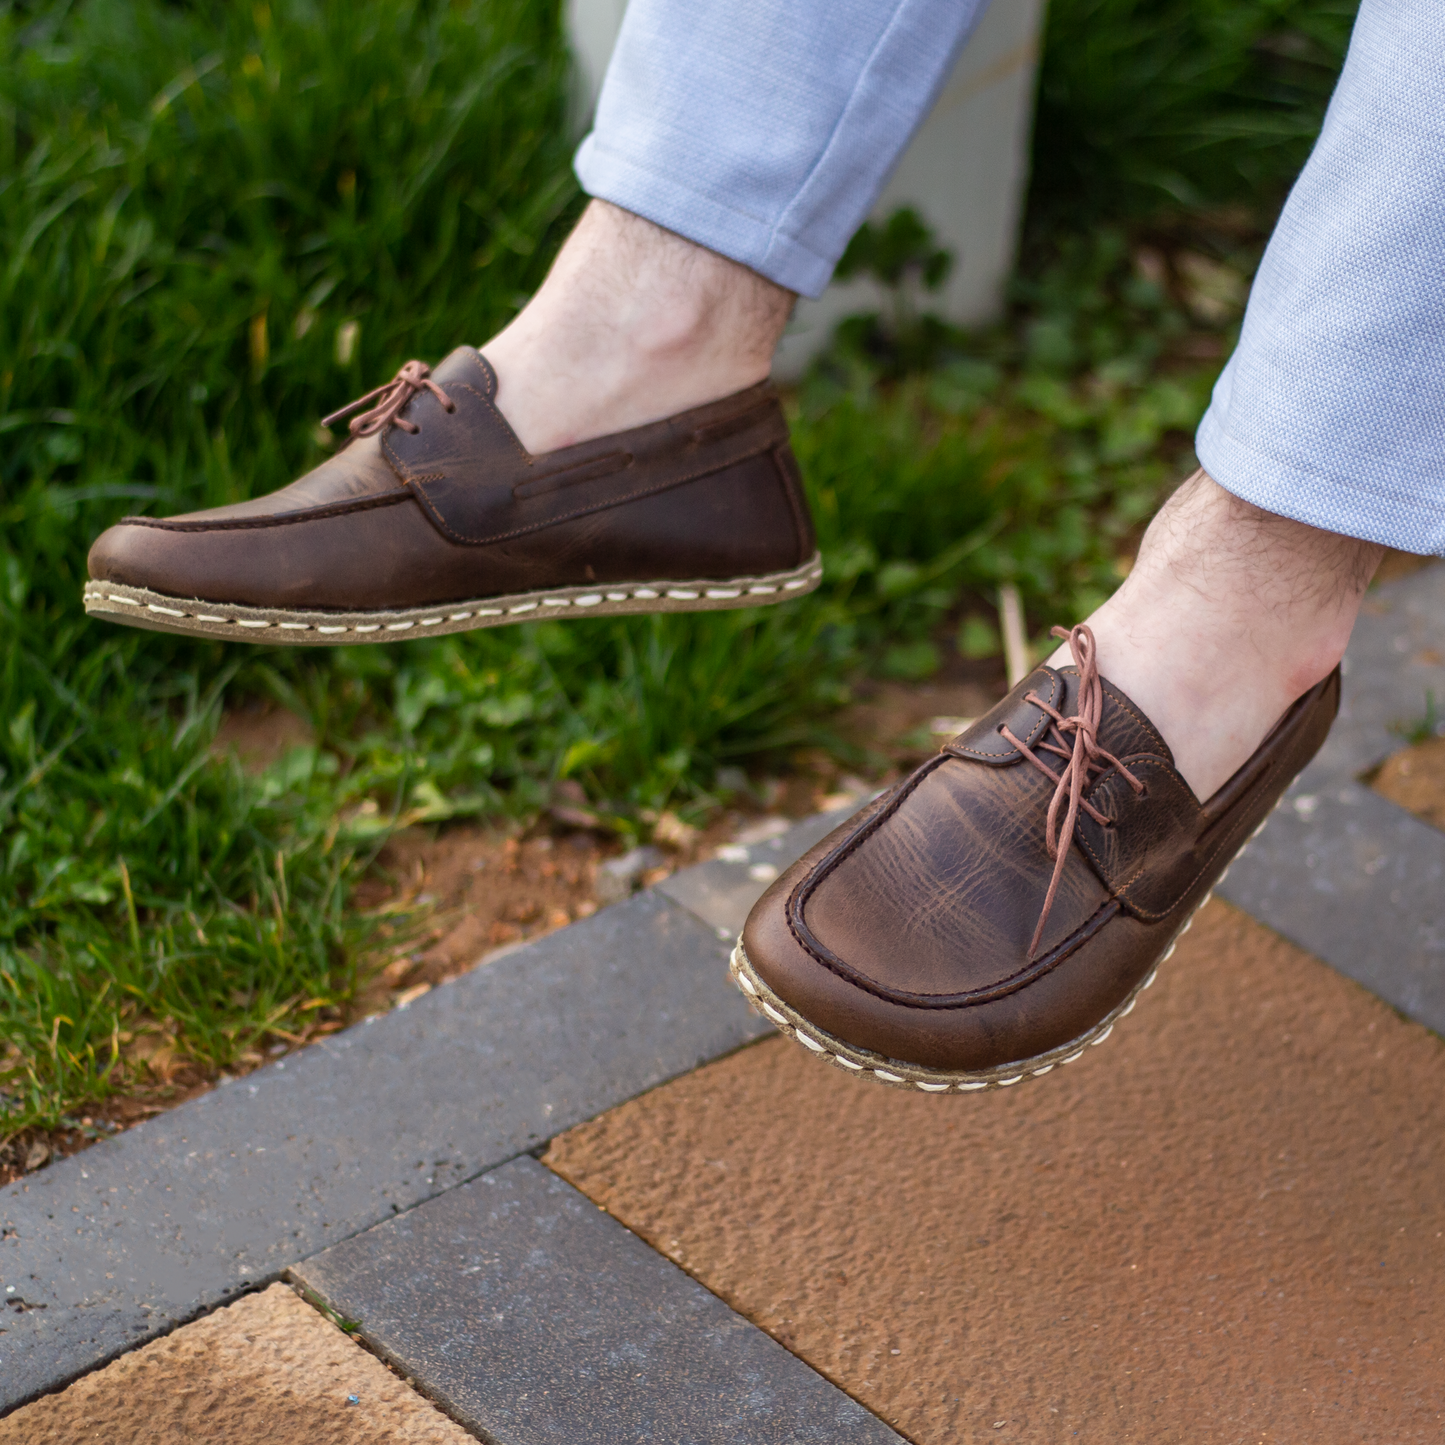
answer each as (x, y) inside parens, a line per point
(849, 1064)
(1129, 1007)
(641, 594)
(746, 984)
(773, 1014)
(930, 1088)
(808, 1042)
(1039, 1073)
(1149, 982)
(1004, 1083)
(1078, 1054)
(970, 1087)
(887, 1077)
(1096, 1042)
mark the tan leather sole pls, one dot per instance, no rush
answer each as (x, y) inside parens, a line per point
(899, 1074)
(139, 607)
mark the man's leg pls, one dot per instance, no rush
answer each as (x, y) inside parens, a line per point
(1004, 906)
(736, 150)
(633, 323)
(1229, 615)
(1326, 436)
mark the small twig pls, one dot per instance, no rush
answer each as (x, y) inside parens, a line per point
(1015, 643)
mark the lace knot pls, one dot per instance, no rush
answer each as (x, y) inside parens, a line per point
(1075, 740)
(389, 401)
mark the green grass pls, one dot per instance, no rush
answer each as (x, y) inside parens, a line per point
(217, 223)
(1157, 106)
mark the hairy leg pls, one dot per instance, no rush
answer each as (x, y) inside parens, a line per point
(632, 324)
(1229, 614)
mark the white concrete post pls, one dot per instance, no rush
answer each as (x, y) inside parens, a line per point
(965, 172)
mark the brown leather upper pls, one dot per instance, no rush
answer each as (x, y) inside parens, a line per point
(907, 931)
(458, 509)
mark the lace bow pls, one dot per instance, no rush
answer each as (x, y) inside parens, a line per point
(1076, 740)
(390, 400)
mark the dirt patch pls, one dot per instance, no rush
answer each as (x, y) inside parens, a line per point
(897, 725)
(1395, 565)
(1415, 780)
(1225, 1225)
(261, 733)
(267, 1370)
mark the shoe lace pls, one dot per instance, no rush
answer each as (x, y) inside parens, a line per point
(1075, 739)
(390, 400)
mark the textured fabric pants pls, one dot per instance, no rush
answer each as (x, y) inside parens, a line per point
(765, 129)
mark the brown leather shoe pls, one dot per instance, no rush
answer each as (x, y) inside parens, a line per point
(434, 518)
(949, 937)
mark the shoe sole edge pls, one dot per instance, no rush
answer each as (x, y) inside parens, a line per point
(197, 617)
(900, 1074)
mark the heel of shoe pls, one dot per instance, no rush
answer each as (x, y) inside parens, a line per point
(791, 476)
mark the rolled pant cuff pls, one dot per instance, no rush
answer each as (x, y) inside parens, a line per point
(667, 202)
(1396, 514)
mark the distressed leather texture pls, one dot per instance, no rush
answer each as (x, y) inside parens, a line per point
(460, 510)
(906, 931)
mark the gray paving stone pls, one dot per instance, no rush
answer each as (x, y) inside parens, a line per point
(1395, 659)
(536, 1319)
(143, 1231)
(1340, 871)
(1359, 883)
(722, 892)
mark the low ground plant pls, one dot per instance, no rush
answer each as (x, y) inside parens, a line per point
(217, 223)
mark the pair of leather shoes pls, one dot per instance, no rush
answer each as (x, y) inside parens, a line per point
(983, 922)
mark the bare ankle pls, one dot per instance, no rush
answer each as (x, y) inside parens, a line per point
(1229, 615)
(632, 324)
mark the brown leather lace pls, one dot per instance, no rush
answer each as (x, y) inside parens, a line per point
(1083, 758)
(390, 400)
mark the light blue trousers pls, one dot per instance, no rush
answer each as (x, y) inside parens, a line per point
(765, 129)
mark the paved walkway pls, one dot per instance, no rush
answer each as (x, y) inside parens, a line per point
(1227, 1224)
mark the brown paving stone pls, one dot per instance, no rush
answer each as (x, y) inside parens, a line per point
(1414, 778)
(1227, 1224)
(268, 1370)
